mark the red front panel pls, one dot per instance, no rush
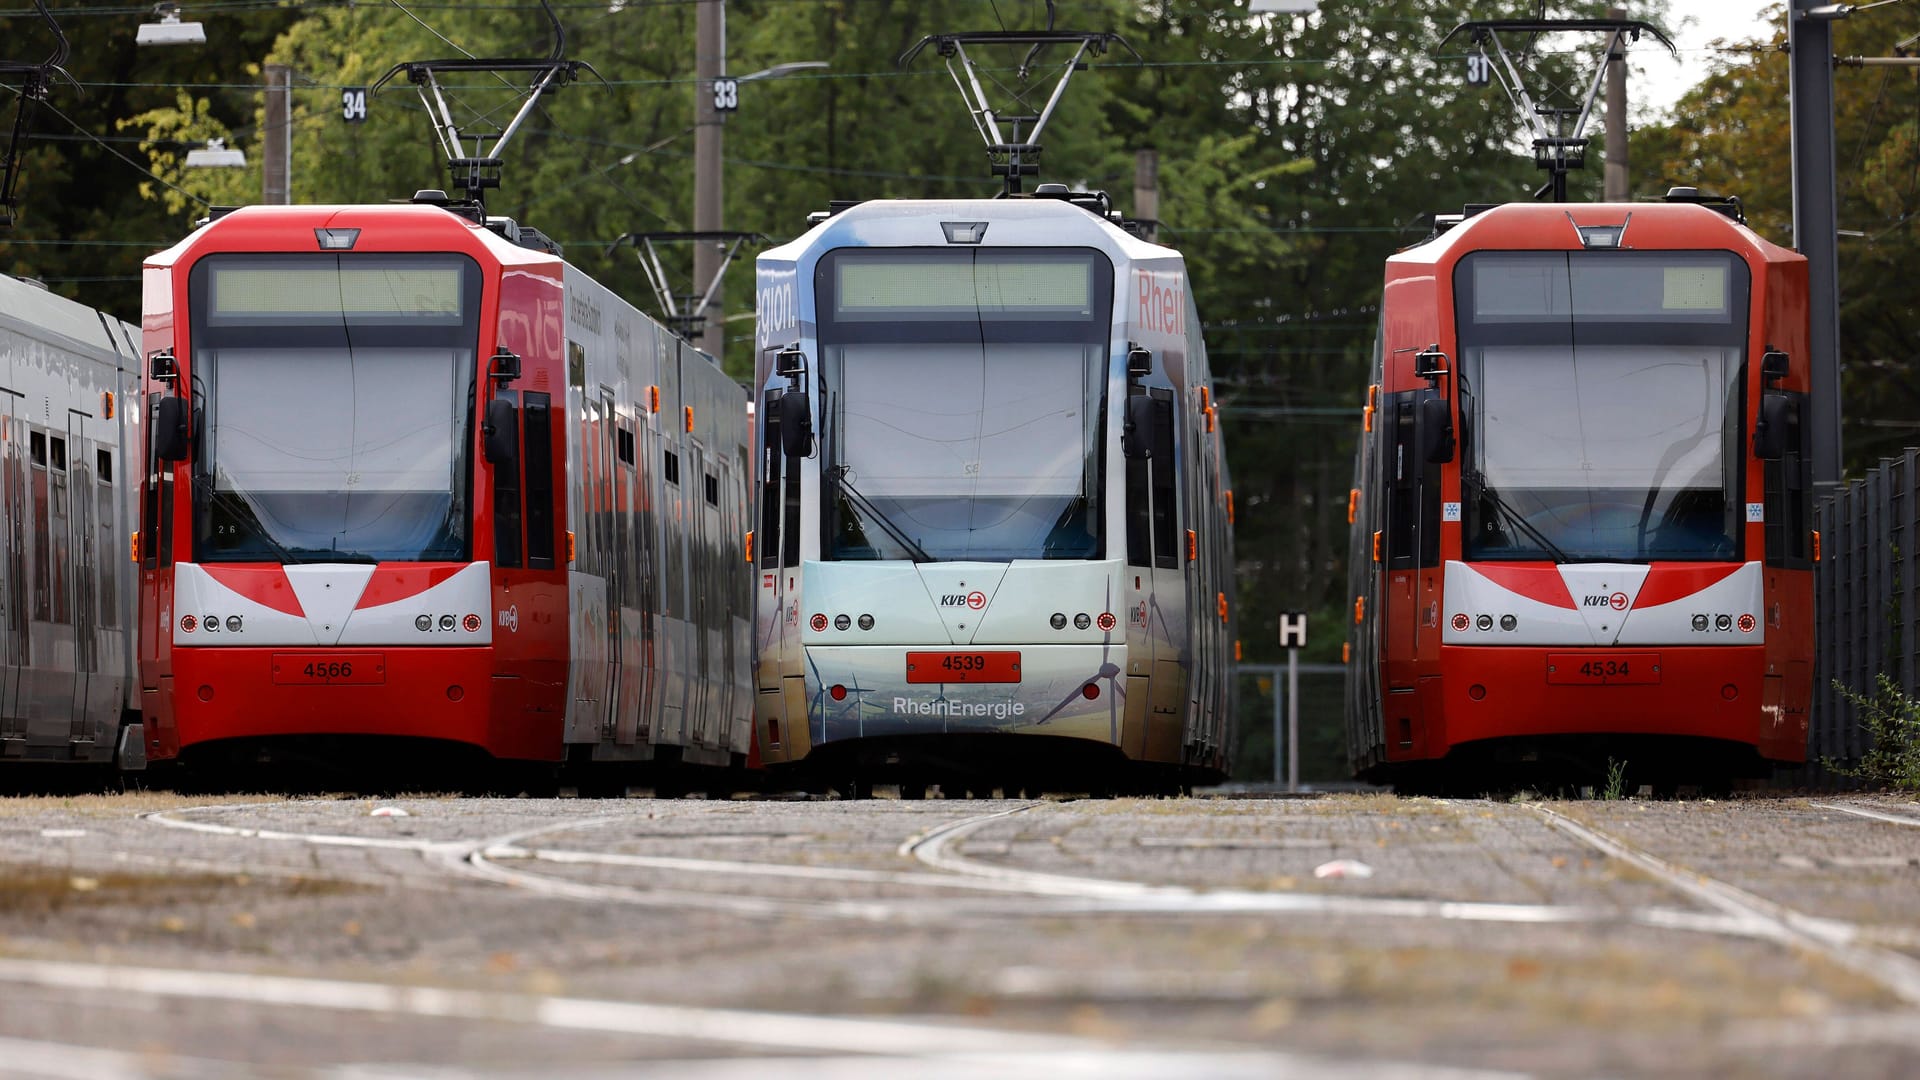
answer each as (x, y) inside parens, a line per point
(1716, 693)
(439, 693)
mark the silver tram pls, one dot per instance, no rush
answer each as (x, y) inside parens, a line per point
(69, 426)
(991, 503)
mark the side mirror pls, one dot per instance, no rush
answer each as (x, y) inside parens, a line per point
(170, 429)
(1434, 425)
(796, 423)
(1777, 430)
(1137, 434)
(1773, 367)
(790, 362)
(162, 367)
(1139, 362)
(505, 365)
(1430, 364)
(500, 433)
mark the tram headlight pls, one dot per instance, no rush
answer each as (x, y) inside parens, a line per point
(423, 624)
(1723, 622)
(446, 622)
(866, 622)
(1508, 622)
(211, 622)
(1059, 621)
(233, 623)
(841, 622)
(1082, 621)
(1700, 622)
(1484, 622)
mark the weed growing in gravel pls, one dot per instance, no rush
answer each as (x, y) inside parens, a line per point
(1615, 789)
(1892, 720)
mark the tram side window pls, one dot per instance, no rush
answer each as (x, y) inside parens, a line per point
(506, 512)
(1166, 520)
(42, 558)
(770, 487)
(1788, 529)
(1413, 488)
(670, 467)
(538, 428)
(1139, 511)
(58, 537)
(109, 571)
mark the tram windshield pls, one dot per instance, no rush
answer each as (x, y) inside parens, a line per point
(1600, 405)
(964, 403)
(333, 397)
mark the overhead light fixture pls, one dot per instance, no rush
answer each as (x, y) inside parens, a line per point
(216, 155)
(169, 30)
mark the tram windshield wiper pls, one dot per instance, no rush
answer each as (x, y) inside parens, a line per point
(1513, 517)
(838, 477)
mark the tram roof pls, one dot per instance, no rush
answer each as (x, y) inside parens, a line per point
(1649, 226)
(1023, 222)
(384, 227)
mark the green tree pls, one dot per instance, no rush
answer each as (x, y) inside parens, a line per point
(1732, 135)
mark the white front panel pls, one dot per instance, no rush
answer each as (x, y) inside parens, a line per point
(329, 596)
(1601, 606)
(466, 593)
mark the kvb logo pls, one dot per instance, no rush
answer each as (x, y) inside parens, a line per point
(1618, 601)
(975, 600)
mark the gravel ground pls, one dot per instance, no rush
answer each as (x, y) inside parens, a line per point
(150, 934)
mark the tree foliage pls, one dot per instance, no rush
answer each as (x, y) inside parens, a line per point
(1732, 134)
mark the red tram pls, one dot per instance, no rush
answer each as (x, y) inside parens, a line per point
(1581, 513)
(411, 476)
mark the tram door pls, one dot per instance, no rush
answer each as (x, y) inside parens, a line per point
(83, 569)
(613, 544)
(13, 564)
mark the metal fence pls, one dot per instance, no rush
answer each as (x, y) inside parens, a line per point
(1866, 602)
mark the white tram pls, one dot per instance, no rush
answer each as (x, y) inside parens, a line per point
(69, 421)
(992, 503)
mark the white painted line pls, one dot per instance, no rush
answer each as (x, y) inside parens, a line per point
(735, 1027)
(932, 848)
(1838, 941)
(63, 834)
(1861, 811)
(924, 1048)
(722, 866)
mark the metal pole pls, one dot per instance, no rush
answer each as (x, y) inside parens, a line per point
(1616, 172)
(1146, 196)
(1816, 223)
(1293, 719)
(1279, 730)
(276, 138)
(710, 62)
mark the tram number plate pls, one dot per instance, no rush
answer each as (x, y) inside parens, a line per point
(963, 667)
(329, 669)
(1608, 668)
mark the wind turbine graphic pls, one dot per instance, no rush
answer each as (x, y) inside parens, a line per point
(1110, 671)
